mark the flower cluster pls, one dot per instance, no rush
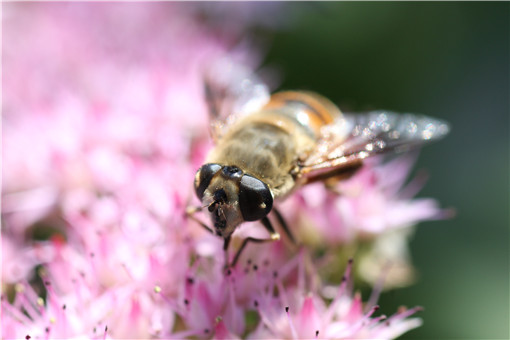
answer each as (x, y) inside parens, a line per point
(104, 127)
(370, 215)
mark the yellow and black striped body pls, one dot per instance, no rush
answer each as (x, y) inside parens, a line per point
(269, 143)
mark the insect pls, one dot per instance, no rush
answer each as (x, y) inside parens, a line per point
(267, 146)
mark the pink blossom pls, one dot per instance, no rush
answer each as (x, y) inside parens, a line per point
(104, 126)
(373, 201)
(374, 207)
(296, 314)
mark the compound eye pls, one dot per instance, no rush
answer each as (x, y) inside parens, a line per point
(255, 199)
(203, 177)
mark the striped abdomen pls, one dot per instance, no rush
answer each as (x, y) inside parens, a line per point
(310, 110)
(267, 144)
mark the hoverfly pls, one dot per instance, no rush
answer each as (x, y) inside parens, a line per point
(267, 146)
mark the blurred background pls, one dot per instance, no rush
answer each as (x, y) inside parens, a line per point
(448, 60)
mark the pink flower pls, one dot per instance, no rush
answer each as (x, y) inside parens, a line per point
(19, 258)
(295, 314)
(375, 207)
(105, 276)
(102, 103)
(104, 126)
(372, 202)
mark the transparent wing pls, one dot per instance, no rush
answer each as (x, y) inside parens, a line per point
(231, 91)
(354, 137)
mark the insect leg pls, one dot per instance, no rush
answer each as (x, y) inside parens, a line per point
(269, 227)
(340, 173)
(284, 226)
(226, 242)
(274, 237)
(190, 212)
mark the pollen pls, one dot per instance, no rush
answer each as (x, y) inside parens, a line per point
(19, 288)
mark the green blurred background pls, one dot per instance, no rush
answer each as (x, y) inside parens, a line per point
(448, 60)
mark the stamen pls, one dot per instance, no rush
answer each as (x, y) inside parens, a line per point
(15, 312)
(157, 290)
(301, 273)
(377, 320)
(378, 287)
(362, 321)
(402, 314)
(19, 288)
(291, 324)
(27, 299)
(341, 290)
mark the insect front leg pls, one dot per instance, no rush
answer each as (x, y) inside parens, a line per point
(190, 212)
(269, 227)
(284, 226)
(225, 250)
